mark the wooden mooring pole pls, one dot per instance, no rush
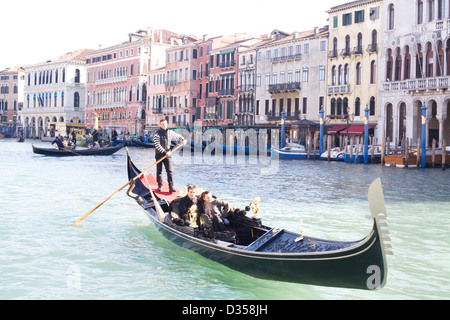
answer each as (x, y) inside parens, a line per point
(444, 154)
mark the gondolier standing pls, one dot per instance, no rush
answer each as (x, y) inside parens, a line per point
(163, 139)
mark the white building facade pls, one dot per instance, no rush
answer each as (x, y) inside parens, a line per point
(54, 94)
(415, 70)
(291, 73)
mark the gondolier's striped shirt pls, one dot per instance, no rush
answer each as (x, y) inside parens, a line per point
(171, 136)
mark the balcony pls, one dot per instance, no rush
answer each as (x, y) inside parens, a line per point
(171, 83)
(276, 116)
(341, 89)
(289, 57)
(372, 48)
(226, 92)
(358, 50)
(284, 87)
(165, 110)
(345, 52)
(438, 83)
(227, 64)
(111, 80)
(333, 54)
(246, 87)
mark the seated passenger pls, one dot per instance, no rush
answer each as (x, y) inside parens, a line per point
(182, 205)
(216, 210)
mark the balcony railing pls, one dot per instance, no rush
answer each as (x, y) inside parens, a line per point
(171, 83)
(284, 87)
(437, 83)
(227, 64)
(340, 89)
(246, 87)
(276, 116)
(226, 92)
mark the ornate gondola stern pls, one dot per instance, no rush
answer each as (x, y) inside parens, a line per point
(379, 215)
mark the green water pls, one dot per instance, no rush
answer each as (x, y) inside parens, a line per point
(116, 253)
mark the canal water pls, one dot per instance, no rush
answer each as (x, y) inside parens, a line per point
(116, 253)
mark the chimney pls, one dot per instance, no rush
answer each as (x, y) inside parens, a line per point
(315, 30)
(204, 37)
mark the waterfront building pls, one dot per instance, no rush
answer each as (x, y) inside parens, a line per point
(291, 77)
(12, 82)
(415, 70)
(156, 99)
(181, 87)
(353, 64)
(54, 95)
(117, 80)
(246, 87)
(218, 70)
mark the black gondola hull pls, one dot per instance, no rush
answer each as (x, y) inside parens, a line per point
(355, 269)
(277, 256)
(77, 152)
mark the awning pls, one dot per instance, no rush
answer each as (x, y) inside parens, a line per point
(356, 130)
(335, 129)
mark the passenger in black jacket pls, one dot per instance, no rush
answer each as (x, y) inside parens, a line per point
(163, 140)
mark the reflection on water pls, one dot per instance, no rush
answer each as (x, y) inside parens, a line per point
(117, 253)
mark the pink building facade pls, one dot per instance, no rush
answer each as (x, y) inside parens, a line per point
(117, 81)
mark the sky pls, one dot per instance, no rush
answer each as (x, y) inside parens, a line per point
(34, 31)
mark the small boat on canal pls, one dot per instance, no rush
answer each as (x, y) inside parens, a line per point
(269, 252)
(336, 154)
(106, 151)
(294, 151)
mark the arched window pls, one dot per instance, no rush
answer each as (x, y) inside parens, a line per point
(333, 107)
(77, 76)
(339, 106)
(346, 73)
(358, 73)
(429, 60)
(333, 76)
(389, 63)
(347, 45)
(359, 43)
(407, 67)
(373, 72)
(357, 107)
(391, 12)
(389, 121)
(372, 106)
(419, 12)
(335, 48)
(398, 65)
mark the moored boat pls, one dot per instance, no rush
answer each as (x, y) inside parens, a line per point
(336, 154)
(294, 151)
(273, 253)
(106, 151)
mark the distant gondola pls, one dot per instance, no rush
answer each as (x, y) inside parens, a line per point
(143, 144)
(77, 152)
(273, 253)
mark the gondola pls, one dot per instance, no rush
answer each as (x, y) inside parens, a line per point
(143, 144)
(77, 152)
(274, 253)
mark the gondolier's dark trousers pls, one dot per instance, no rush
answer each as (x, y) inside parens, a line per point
(168, 165)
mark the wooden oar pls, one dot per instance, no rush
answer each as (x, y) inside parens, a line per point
(77, 154)
(135, 178)
(158, 208)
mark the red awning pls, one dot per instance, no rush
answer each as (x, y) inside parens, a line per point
(335, 129)
(355, 130)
